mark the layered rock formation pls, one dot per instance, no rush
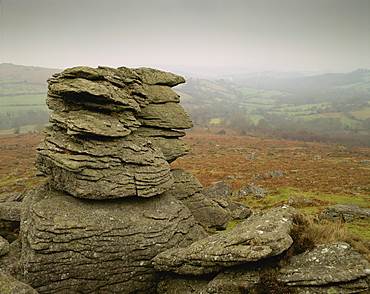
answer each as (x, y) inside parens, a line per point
(85, 246)
(103, 215)
(260, 236)
(113, 132)
(329, 268)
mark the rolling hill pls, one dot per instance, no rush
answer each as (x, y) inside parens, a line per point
(278, 104)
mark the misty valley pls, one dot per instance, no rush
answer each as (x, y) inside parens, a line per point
(333, 107)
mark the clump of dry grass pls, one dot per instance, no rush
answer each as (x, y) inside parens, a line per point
(308, 232)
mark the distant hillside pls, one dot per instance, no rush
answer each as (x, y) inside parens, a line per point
(11, 73)
(22, 96)
(287, 105)
(358, 80)
(328, 105)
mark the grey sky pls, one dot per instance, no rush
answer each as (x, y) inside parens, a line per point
(255, 34)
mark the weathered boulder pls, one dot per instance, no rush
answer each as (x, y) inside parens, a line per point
(345, 212)
(333, 264)
(83, 246)
(207, 212)
(11, 285)
(11, 197)
(220, 192)
(251, 190)
(353, 287)
(298, 200)
(242, 279)
(121, 86)
(239, 210)
(260, 236)
(273, 174)
(220, 189)
(159, 132)
(93, 168)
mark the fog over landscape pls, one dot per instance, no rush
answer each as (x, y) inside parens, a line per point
(190, 36)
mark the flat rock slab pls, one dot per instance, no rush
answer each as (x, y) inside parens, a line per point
(161, 94)
(72, 245)
(168, 115)
(153, 76)
(96, 123)
(335, 262)
(85, 90)
(260, 236)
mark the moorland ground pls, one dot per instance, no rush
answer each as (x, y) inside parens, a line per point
(325, 174)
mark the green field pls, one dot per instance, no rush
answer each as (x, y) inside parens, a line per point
(22, 102)
(21, 88)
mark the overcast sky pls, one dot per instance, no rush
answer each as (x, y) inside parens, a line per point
(286, 35)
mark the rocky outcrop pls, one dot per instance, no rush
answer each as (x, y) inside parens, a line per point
(345, 212)
(95, 148)
(104, 214)
(336, 267)
(272, 175)
(221, 192)
(330, 268)
(260, 236)
(251, 190)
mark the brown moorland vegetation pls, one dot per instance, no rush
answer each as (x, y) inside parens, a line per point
(310, 166)
(325, 174)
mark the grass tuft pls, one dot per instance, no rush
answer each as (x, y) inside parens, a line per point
(308, 231)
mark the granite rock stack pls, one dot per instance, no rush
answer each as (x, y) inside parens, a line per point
(114, 132)
(103, 215)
